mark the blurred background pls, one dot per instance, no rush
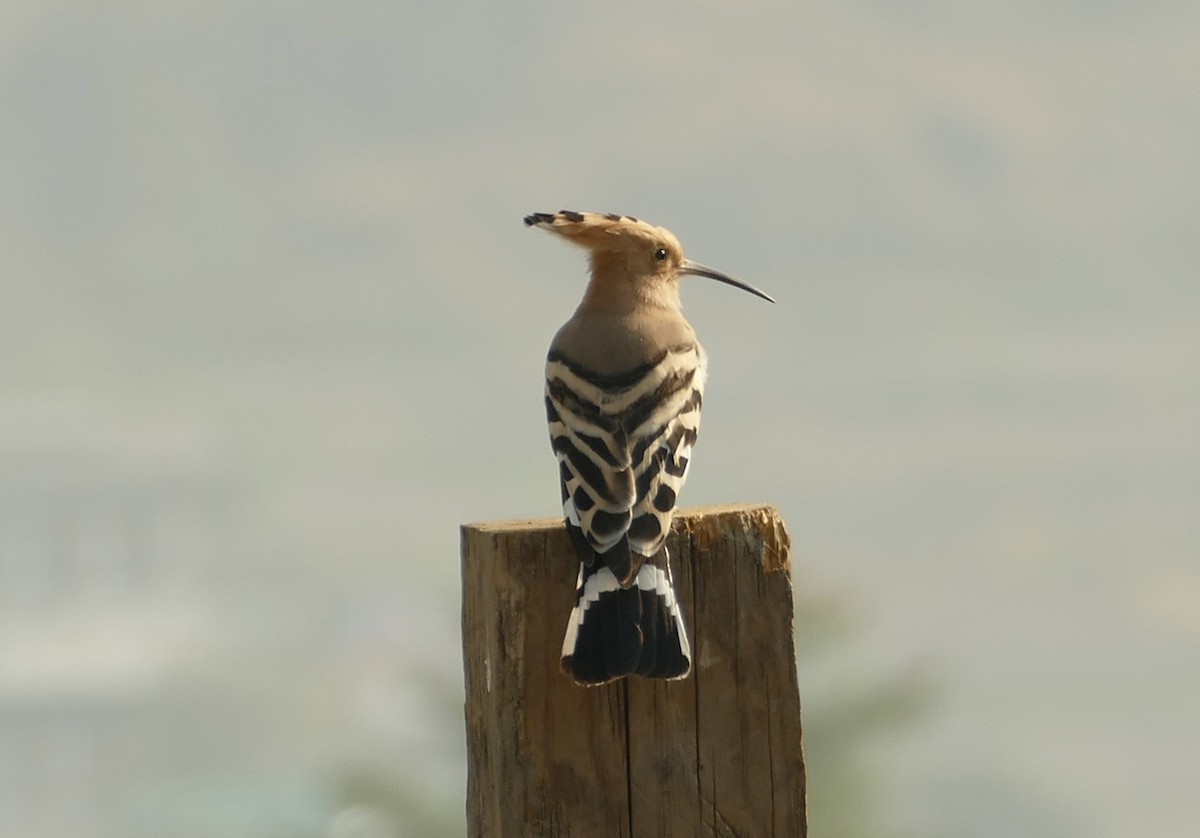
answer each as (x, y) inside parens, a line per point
(271, 329)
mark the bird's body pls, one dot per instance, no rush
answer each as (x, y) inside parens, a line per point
(624, 384)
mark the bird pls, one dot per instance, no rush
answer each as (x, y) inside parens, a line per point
(624, 384)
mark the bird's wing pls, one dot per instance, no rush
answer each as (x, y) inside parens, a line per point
(623, 445)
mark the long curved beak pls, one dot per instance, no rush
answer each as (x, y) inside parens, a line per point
(696, 269)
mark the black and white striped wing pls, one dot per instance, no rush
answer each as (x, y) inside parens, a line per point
(623, 444)
(594, 465)
(663, 427)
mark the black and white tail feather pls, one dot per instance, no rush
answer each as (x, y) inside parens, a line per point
(623, 445)
(615, 631)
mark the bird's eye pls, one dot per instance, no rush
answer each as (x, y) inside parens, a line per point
(660, 254)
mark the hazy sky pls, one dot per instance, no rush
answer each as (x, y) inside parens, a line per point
(283, 241)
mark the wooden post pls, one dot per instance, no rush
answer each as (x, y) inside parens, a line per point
(718, 753)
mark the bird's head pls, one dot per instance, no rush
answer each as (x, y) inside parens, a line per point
(630, 258)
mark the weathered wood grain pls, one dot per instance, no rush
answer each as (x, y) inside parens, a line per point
(718, 753)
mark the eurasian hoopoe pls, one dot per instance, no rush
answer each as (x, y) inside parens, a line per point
(624, 380)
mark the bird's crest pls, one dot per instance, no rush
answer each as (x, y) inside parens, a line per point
(602, 231)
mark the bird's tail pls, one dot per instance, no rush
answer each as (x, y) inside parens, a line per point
(615, 631)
